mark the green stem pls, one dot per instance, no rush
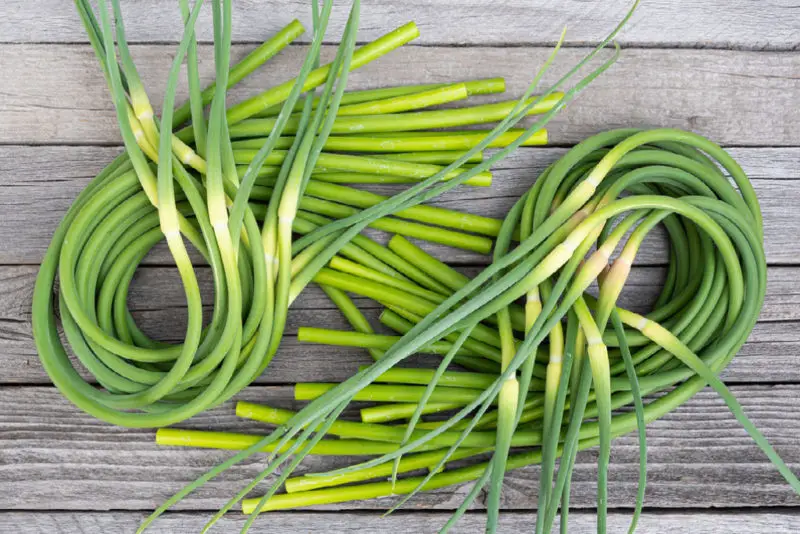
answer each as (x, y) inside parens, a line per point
(386, 393)
(364, 164)
(383, 413)
(424, 99)
(423, 460)
(474, 87)
(229, 441)
(344, 338)
(428, 214)
(403, 142)
(402, 122)
(363, 55)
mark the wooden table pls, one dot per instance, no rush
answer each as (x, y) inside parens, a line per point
(728, 69)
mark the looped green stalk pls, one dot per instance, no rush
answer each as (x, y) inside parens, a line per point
(167, 189)
(636, 180)
(583, 221)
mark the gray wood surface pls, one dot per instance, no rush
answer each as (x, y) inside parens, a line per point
(399, 522)
(698, 457)
(728, 69)
(770, 25)
(158, 305)
(49, 178)
(734, 97)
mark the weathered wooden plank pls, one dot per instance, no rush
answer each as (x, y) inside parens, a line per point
(157, 303)
(716, 23)
(738, 98)
(55, 457)
(418, 522)
(38, 184)
(769, 356)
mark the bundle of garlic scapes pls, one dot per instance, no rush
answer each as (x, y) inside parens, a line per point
(248, 180)
(254, 176)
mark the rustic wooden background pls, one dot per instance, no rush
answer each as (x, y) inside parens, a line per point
(728, 69)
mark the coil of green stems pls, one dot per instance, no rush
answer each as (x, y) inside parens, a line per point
(320, 246)
(239, 211)
(567, 366)
(243, 218)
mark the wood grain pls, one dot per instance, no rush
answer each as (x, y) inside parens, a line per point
(733, 79)
(157, 303)
(38, 184)
(735, 98)
(683, 23)
(55, 457)
(400, 522)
